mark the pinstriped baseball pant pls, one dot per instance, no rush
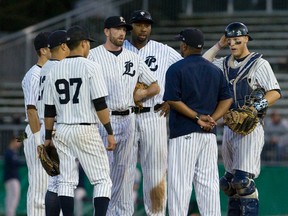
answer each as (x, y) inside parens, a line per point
(192, 161)
(37, 177)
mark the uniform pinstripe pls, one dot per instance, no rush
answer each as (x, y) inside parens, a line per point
(247, 157)
(121, 74)
(197, 151)
(37, 177)
(71, 86)
(152, 128)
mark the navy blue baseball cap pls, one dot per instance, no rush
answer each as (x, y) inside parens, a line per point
(141, 16)
(192, 37)
(77, 33)
(116, 21)
(41, 40)
(57, 38)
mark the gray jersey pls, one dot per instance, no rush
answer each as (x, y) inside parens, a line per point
(71, 86)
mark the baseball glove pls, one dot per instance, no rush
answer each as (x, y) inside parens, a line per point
(138, 86)
(241, 120)
(49, 159)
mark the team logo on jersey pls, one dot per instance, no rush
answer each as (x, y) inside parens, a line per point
(149, 61)
(128, 67)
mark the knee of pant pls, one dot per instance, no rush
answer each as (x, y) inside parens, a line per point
(243, 183)
(225, 184)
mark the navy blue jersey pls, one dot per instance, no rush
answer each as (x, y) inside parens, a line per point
(197, 83)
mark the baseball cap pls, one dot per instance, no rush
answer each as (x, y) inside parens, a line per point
(57, 38)
(77, 33)
(41, 40)
(192, 37)
(116, 21)
(141, 15)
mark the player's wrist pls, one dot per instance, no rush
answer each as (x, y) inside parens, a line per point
(108, 128)
(48, 134)
(37, 138)
(197, 117)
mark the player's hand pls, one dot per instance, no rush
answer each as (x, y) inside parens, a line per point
(164, 109)
(206, 122)
(223, 42)
(111, 143)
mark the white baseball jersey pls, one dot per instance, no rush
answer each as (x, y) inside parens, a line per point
(235, 151)
(158, 57)
(44, 72)
(37, 177)
(121, 74)
(68, 86)
(71, 86)
(152, 129)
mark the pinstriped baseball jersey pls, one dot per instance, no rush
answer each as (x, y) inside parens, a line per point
(37, 177)
(68, 94)
(235, 151)
(44, 72)
(121, 74)
(158, 57)
(30, 86)
(261, 73)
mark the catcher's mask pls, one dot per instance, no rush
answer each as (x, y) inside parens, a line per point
(237, 29)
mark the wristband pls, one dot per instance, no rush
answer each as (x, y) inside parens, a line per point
(37, 140)
(261, 104)
(197, 117)
(48, 134)
(108, 128)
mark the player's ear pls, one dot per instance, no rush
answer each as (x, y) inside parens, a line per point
(106, 32)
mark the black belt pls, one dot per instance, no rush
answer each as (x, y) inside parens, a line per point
(145, 109)
(125, 112)
(84, 124)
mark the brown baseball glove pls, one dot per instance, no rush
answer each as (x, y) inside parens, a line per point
(241, 120)
(49, 159)
(138, 86)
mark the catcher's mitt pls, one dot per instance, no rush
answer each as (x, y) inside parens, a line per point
(139, 85)
(49, 159)
(241, 120)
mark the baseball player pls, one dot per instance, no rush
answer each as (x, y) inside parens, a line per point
(59, 50)
(37, 177)
(195, 108)
(151, 124)
(74, 89)
(247, 73)
(122, 69)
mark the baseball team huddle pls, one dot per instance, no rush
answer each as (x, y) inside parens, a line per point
(83, 102)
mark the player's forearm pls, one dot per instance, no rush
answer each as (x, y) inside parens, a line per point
(33, 119)
(182, 108)
(272, 96)
(212, 52)
(104, 116)
(222, 108)
(152, 90)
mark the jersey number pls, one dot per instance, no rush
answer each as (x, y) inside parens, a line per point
(62, 87)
